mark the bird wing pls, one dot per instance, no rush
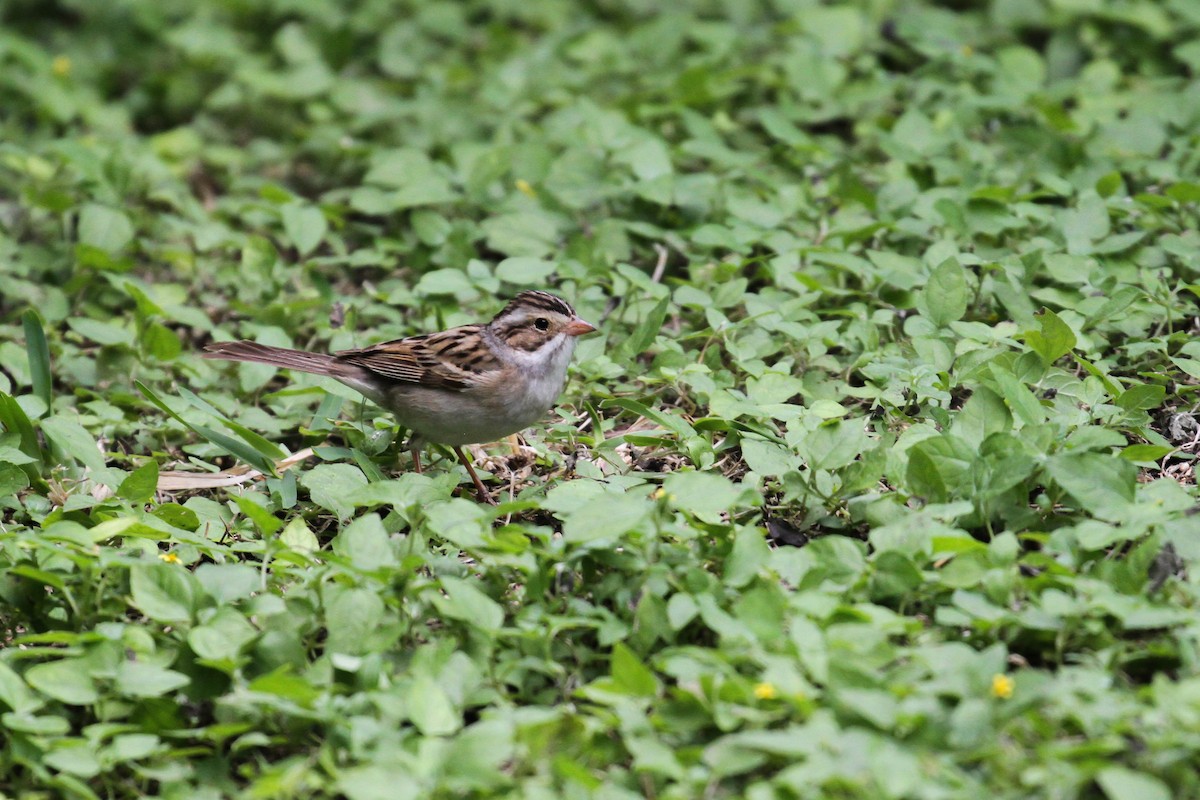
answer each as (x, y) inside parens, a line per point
(454, 360)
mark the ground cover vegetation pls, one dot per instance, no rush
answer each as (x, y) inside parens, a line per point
(878, 482)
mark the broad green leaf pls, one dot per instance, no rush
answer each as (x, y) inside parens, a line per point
(223, 637)
(524, 271)
(429, 708)
(605, 519)
(141, 679)
(1053, 340)
(1102, 485)
(141, 484)
(332, 485)
(467, 603)
(73, 441)
(1121, 783)
(64, 679)
(298, 536)
(748, 555)
(946, 293)
(15, 694)
(305, 225)
(351, 618)
(630, 675)
(364, 542)
(1146, 452)
(707, 495)
(104, 228)
(163, 592)
(1142, 397)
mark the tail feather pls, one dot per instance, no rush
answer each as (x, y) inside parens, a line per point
(316, 363)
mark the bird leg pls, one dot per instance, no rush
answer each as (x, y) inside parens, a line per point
(416, 454)
(480, 490)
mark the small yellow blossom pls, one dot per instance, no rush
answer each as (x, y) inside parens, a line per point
(170, 558)
(1002, 686)
(968, 51)
(61, 66)
(765, 691)
(524, 188)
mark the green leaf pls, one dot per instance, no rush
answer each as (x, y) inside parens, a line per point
(945, 293)
(73, 441)
(12, 479)
(352, 617)
(104, 228)
(65, 679)
(305, 225)
(747, 557)
(243, 451)
(1053, 340)
(332, 485)
(605, 519)
(13, 418)
(645, 332)
(430, 708)
(161, 342)
(1122, 783)
(229, 583)
(707, 495)
(223, 637)
(524, 271)
(15, 694)
(141, 679)
(1146, 452)
(264, 446)
(298, 536)
(630, 675)
(364, 541)
(39, 355)
(163, 592)
(1102, 485)
(835, 444)
(467, 603)
(1142, 397)
(141, 484)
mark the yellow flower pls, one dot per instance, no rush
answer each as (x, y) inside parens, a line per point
(170, 558)
(61, 66)
(1002, 686)
(765, 691)
(524, 188)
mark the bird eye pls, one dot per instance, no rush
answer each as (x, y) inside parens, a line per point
(542, 324)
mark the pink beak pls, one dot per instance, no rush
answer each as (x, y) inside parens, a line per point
(577, 327)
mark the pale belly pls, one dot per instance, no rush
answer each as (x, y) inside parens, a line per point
(467, 417)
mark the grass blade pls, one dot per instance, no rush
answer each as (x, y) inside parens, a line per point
(235, 447)
(39, 355)
(257, 441)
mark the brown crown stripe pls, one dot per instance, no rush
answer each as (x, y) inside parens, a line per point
(539, 300)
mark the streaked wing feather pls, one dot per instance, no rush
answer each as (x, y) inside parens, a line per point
(454, 360)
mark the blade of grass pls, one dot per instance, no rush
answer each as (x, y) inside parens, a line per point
(326, 413)
(676, 425)
(39, 355)
(262, 445)
(235, 447)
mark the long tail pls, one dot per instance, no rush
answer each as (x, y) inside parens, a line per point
(317, 363)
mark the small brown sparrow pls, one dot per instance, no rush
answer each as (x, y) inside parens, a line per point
(475, 383)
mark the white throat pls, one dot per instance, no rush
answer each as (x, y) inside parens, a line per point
(545, 369)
